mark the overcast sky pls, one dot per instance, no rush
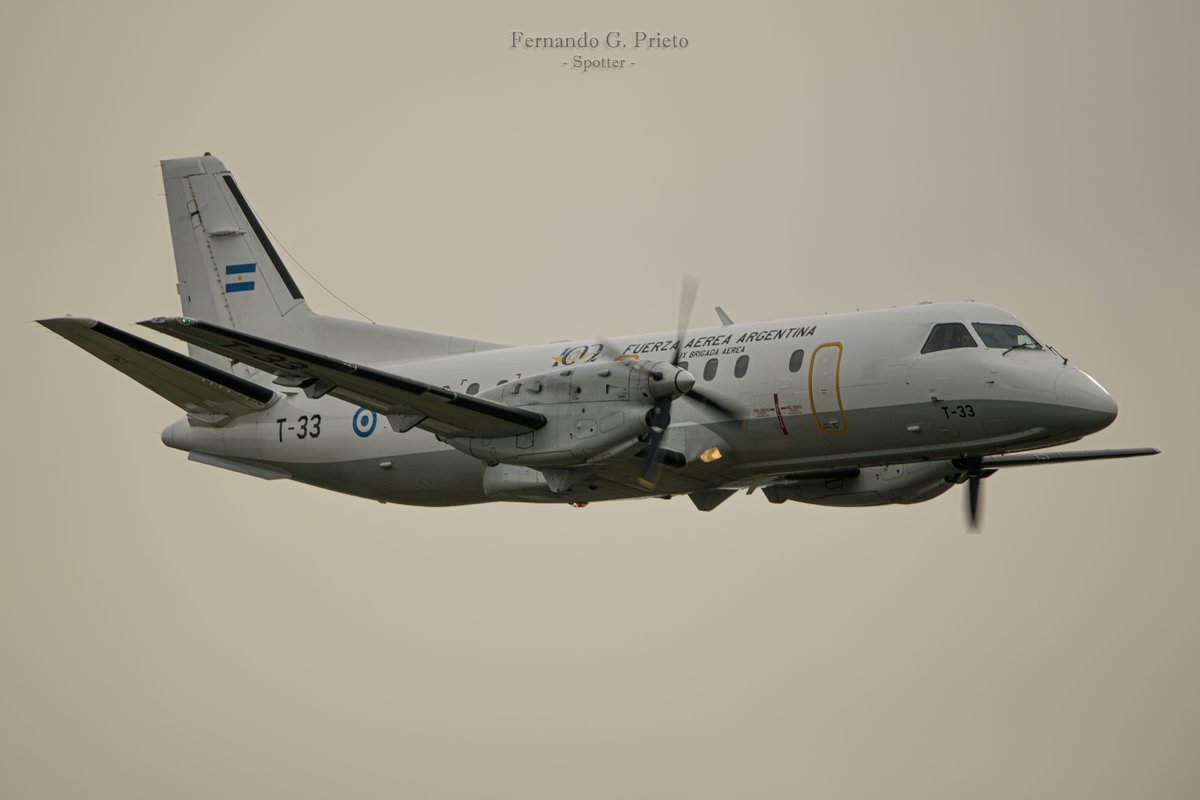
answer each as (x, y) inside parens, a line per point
(171, 630)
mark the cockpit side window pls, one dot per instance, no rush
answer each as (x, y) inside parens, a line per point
(947, 336)
(1006, 336)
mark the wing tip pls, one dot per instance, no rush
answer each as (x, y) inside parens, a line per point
(61, 325)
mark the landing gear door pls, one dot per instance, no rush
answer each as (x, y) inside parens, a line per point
(824, 391)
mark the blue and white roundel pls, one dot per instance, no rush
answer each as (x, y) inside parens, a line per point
(364, 422)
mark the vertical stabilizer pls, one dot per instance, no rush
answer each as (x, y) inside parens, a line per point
(231, 275)
(229, 272)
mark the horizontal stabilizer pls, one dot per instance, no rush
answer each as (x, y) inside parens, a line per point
(207, 394)
(408, 403)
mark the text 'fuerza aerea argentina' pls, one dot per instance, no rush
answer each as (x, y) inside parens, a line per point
(700, 346)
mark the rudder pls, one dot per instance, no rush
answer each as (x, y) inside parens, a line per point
(229, 272)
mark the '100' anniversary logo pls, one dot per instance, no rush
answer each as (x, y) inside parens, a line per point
(580, 354)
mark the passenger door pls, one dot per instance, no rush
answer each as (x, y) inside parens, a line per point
(824, 390)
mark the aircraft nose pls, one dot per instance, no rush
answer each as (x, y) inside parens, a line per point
(1084, 400)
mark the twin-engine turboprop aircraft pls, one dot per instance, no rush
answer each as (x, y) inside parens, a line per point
(869, 408)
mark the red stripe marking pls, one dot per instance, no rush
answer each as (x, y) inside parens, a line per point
(779, 416)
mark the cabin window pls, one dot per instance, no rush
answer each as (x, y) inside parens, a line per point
(796, 361)
(502, 381)
(683, 365)
(1006, 336)
(473, 388)
(740, 366)
(948, 336)
(710, 369)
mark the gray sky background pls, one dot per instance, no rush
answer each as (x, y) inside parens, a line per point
(171, 630)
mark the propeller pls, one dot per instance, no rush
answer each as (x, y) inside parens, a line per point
(975, 473)
(973, 502)
(682, 385)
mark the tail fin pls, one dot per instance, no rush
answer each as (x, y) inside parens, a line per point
(229, 272)
(231, 275)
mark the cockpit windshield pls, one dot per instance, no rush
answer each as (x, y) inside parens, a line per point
(948, 336)
(1005, 336)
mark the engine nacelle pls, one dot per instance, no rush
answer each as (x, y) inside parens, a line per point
(872, 486)
(593, 412)
(510, 482)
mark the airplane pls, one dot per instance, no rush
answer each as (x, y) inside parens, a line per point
(891, 406)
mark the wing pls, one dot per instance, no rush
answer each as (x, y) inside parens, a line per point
(207, 394)
(1026, 459)
(406, 402)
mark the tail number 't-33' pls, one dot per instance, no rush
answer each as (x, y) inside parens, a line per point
(963, 411)
(306, 427)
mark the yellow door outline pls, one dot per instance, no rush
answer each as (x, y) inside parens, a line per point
(837, 384)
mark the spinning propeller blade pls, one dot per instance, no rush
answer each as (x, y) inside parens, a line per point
(682, 385)
(712, 402)
(660, 417)
(687, 301)
(973, 503)
(976, 470)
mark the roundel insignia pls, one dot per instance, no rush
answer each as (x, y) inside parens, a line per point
(364, 422)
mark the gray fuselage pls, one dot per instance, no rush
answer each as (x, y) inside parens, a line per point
(862, 394)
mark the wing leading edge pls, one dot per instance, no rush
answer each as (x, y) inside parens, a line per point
(1030, 459)
(406, 402)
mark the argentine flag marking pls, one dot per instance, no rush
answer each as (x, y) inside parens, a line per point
(240, 278)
